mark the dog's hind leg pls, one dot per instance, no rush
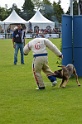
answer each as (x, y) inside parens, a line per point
(76, 76)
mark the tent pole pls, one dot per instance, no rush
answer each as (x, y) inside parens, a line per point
(4, 31)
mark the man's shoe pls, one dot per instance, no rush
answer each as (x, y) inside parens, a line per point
(54, 83)
(22, 63)
(40, 88)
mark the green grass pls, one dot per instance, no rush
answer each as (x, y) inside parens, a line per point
(21, 103)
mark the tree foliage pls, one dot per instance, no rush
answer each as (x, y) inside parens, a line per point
(3, 13)
(58, 11)
(47, 9)
(28, 9)
(75, 9)
(37, 4)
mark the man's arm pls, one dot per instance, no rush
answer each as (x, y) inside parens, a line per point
(13, 40)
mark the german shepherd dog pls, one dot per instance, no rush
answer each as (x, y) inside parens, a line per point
(65, 73)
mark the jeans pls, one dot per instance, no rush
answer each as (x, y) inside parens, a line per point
(17, 47)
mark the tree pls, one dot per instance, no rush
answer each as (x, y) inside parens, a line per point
(37, 4)
(28, 9)
(80, 6)
(3, 13)
(47, 2)
(7, 11)
(58, 11)
(75, 8)
(47, 9)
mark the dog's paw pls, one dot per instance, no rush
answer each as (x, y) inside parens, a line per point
(62, 86)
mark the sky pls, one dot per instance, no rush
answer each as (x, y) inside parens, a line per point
(19, 3)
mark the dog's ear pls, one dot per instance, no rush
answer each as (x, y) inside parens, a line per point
(61, 66)
(64, 68)
(58, 73)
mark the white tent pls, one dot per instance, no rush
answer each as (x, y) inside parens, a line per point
(39, 20)
(14, 18)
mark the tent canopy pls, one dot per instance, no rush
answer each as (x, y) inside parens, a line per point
(14, 18)
(39, 20)
(1, 23)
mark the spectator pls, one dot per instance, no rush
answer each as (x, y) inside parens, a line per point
(18, 40)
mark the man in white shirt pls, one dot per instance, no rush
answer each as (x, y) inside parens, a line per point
(40, 59)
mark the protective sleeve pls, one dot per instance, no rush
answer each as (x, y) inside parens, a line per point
(52, 47)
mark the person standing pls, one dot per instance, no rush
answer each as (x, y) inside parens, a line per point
(40, 59)
(18, 40)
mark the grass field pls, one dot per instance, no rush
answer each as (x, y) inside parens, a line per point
(21, 103)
